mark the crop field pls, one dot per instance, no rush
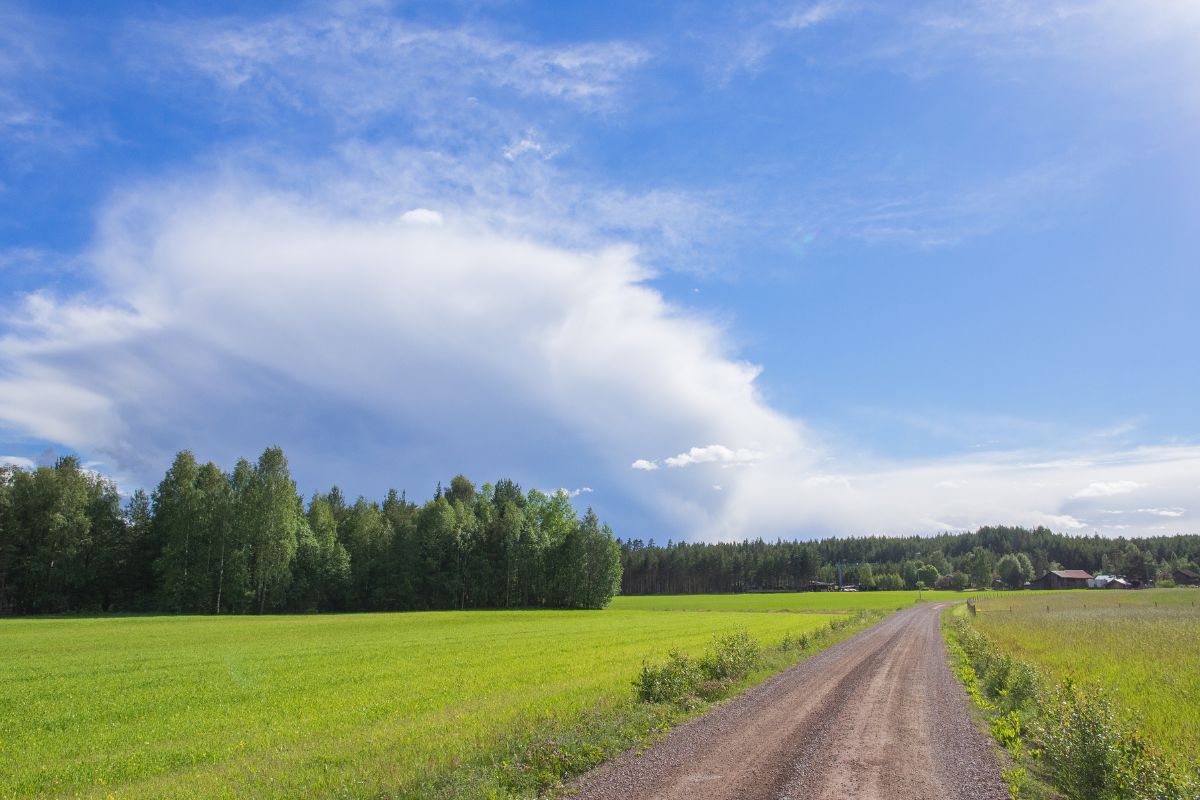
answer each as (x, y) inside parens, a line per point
(820, 602)
(1142, 646)
(346, 705)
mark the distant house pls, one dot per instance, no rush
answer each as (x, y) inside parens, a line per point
(1062, 579)
(1186, 577)
(1118, 583)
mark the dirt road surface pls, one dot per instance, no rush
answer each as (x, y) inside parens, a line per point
(876, 717)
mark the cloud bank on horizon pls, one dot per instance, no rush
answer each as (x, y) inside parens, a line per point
(404, 245)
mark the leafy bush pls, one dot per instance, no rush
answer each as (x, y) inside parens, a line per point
(730, 658)
(670, 682)
(1091, 754)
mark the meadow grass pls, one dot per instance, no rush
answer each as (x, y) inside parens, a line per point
(338, 705)
(1142, 647)
(820, 602)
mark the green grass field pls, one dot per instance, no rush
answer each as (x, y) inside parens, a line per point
(1142, 646)
(821, 602)
(283, 706)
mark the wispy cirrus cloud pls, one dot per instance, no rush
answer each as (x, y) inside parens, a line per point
(928, 216)
(33, 121)
(802, 17)
(742, 40)
(354, 64)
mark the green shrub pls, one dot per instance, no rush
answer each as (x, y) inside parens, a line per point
(730, 658)
(1091, 754)
(995, 676)
(671, 682)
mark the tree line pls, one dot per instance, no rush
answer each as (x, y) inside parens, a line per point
(211, 542)
(1010, 555)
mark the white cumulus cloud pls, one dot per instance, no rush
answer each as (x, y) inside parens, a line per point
(714, 453)
(220, 305)
(421, 216)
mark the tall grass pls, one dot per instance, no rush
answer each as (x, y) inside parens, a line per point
(1143, 647)
(1095, 692)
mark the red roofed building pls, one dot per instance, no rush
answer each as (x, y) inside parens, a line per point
(1062, 579)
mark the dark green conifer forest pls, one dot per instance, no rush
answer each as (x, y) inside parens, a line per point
(1009, 556)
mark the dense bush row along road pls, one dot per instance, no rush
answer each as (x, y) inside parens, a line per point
(877, 717)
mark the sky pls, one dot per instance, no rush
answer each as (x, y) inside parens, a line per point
(720, 271)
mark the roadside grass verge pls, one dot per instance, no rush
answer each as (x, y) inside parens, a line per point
(1064, 737)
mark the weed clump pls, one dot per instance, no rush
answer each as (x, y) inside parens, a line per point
(800, 642)
(729, 659)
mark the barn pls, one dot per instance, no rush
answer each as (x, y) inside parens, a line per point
(1186, 577)
(1062, 579)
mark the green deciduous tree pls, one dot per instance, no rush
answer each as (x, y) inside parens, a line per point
(267, 518)
(1010, 571)
(979, 567)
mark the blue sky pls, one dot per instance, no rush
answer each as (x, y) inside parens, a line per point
(778, 270)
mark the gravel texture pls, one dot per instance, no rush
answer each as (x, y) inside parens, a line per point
(877, 717)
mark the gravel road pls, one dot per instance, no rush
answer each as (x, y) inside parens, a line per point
(876, 717)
